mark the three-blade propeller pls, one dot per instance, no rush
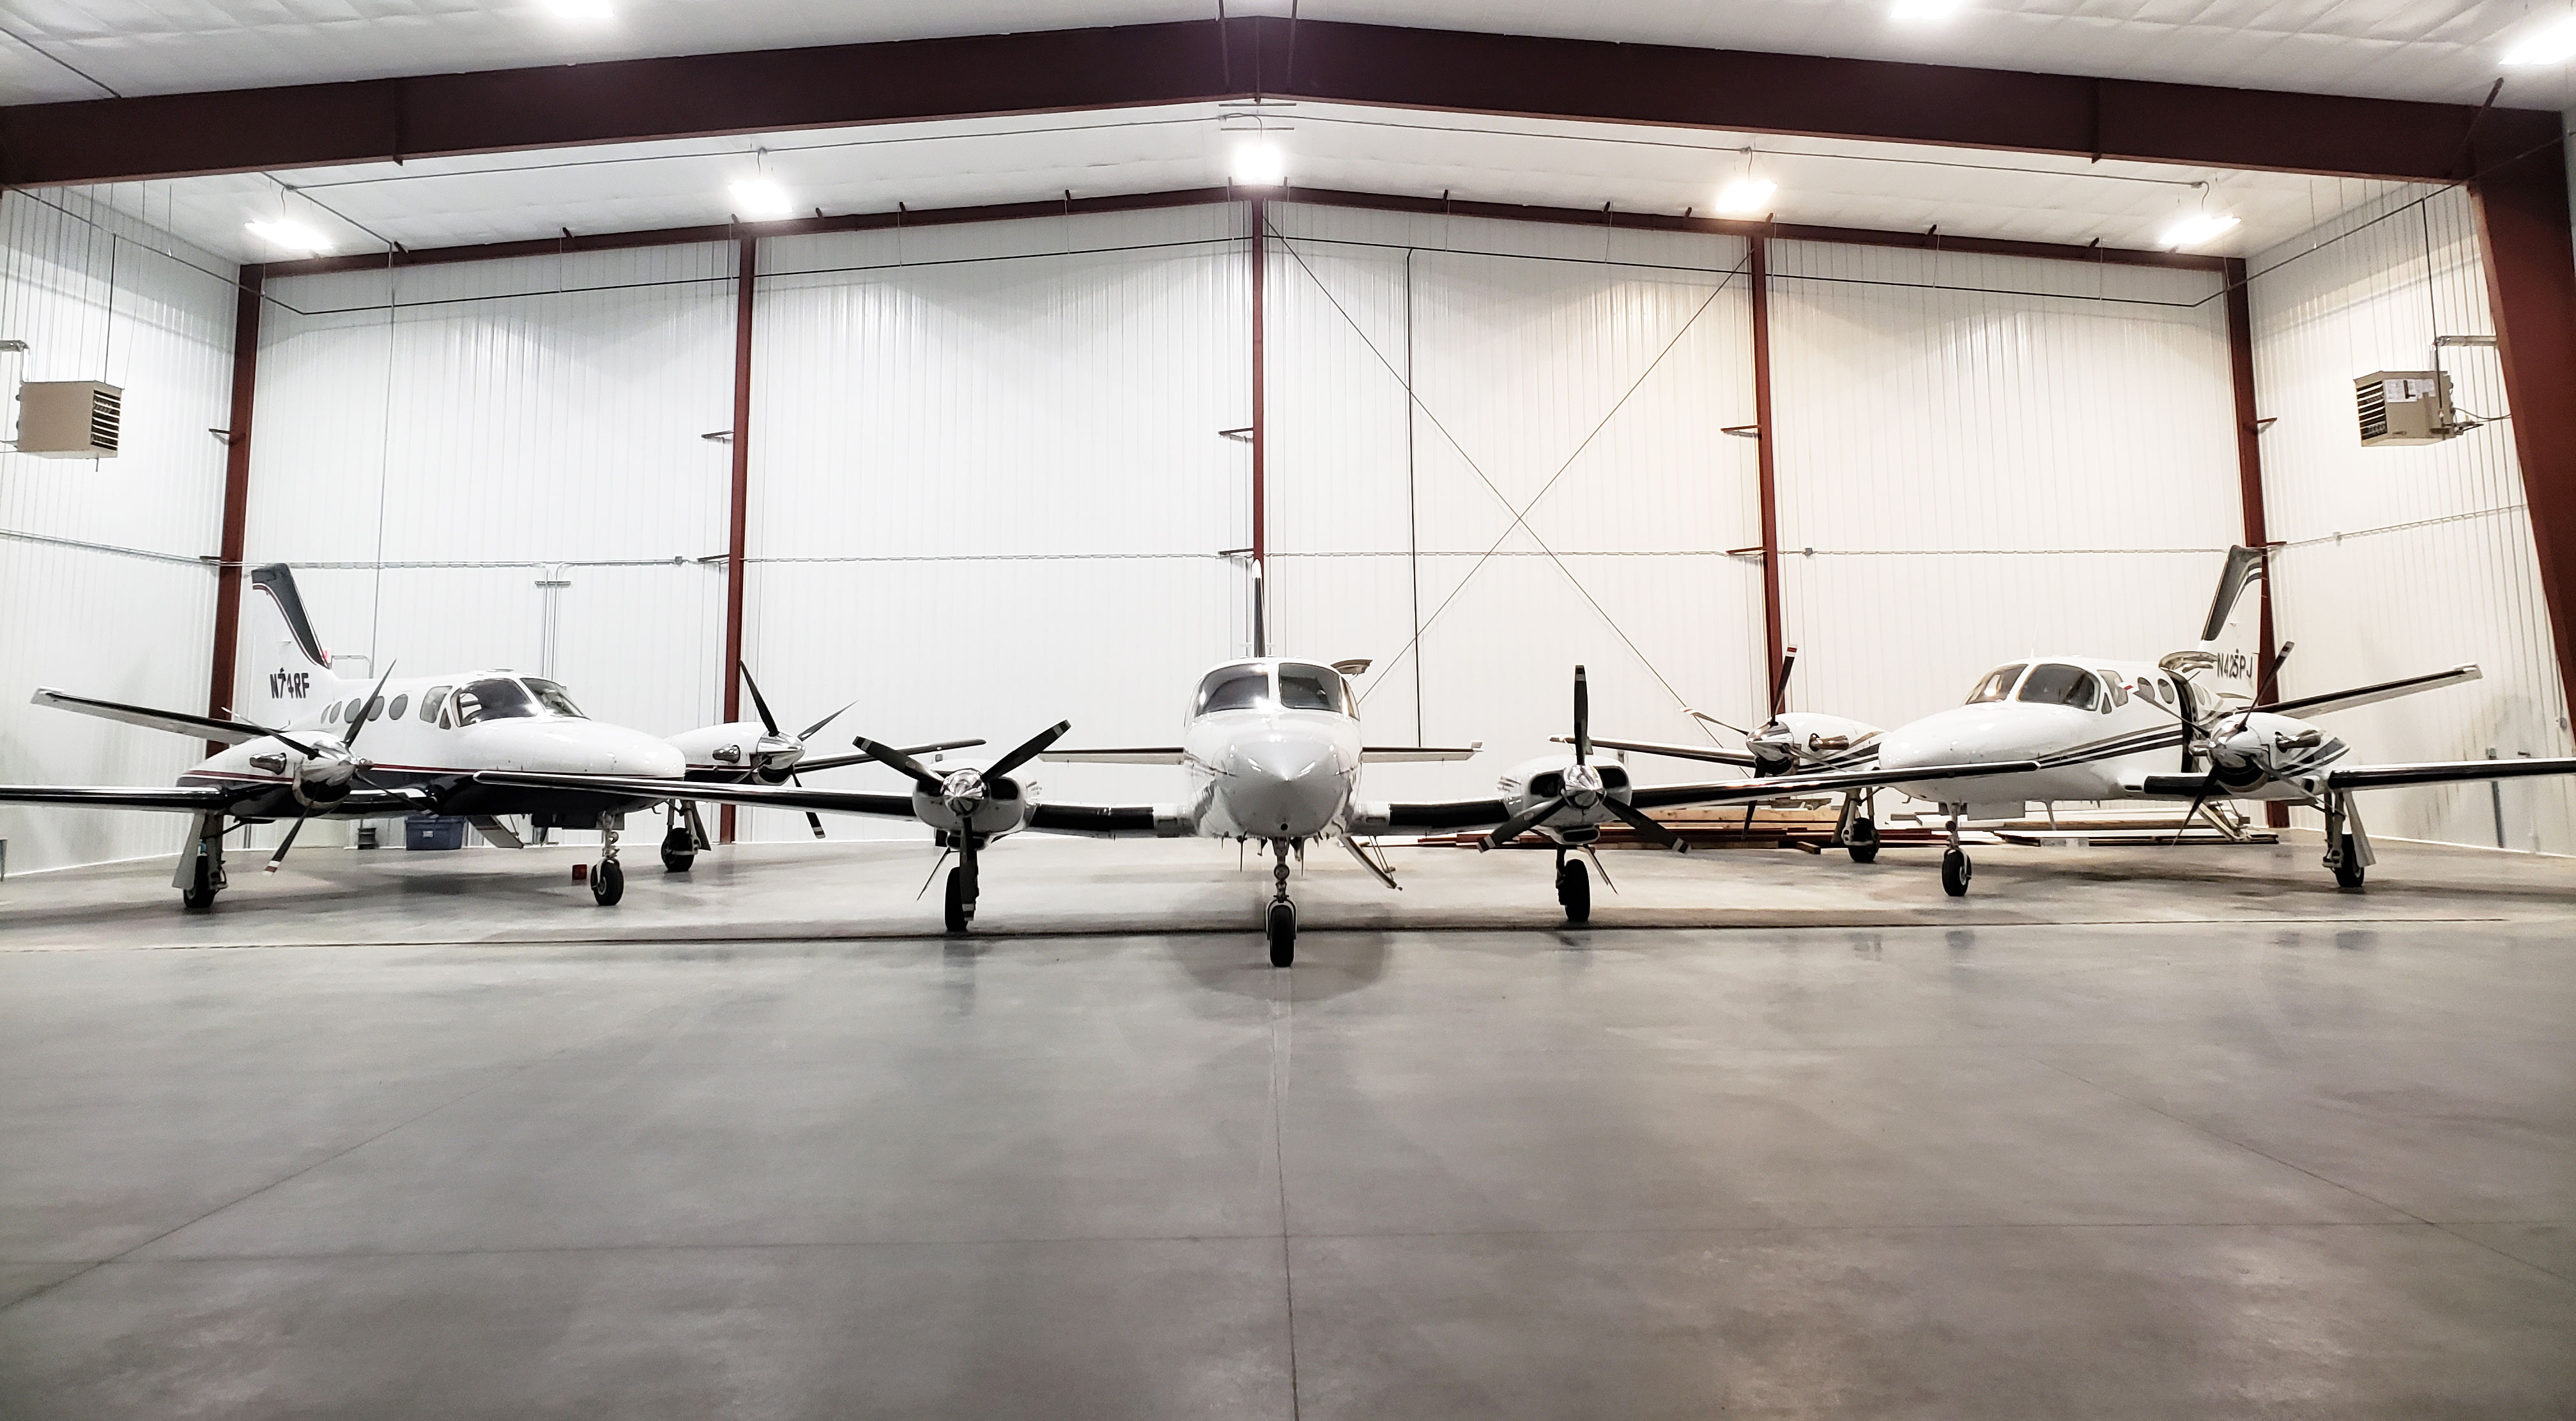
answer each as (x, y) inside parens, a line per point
(338, 769)
(780, 755)
(1581, 789)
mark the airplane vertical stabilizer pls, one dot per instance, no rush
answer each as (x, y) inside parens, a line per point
(290, 671)
(2231, 634)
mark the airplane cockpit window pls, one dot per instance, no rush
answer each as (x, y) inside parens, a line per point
(496, 699)
(2054, 684)
(430, 702)
(1303, 687)
(1234, 688)
(555, 698)
(1998, 684)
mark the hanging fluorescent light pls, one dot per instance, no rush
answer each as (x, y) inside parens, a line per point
(762, 198)
(1746, 197)
(1924, 9)
(2198, 229)
(2555, 44)
(580, 9)
(290, 234)
(1259, 163)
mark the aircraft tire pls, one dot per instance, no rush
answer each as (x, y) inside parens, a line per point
(608, 883)
(199, 895)
(1282, 926)
(1574, 890)
(1955, 872)
(679, 850)
(1862, 841)
(958, 914)
(2348, 869)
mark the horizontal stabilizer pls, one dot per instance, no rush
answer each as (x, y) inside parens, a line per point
(2372, 695)
(1415, 754)
(1131, 755)
(1708, 753)
(195, 727)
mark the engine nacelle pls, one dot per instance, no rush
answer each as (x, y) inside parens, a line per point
(741, 745)
(2257, 748)
(1532, 782)
(1793, 741)
(968, 803)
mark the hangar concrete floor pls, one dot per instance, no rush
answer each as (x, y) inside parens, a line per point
(2128, 1133)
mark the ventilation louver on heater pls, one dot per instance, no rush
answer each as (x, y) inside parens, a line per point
(70, 419)
(2406, 407)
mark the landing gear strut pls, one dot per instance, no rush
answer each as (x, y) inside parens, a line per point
(1281, 923)
(962, 886)
(201, 866)
(1858, 833)
(1955, 868)
(1573, 888)
(2347, 843)
(608, 881)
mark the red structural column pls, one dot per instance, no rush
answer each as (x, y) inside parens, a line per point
(1260, 470)
(1775, 649)
(2530, 261)
(228, 568)
(746, 273)
(2249, 481)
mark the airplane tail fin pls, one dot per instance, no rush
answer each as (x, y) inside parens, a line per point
(2228, 662)
(290, 667)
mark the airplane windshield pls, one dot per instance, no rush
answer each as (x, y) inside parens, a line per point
(2051, 684)
(555, 698)
(496, 699)
(1998, 683)
(1303, 687)
(1234, 688)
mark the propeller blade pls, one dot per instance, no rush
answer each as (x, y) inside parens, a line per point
(816, 728)
(2197, 801)
(1780, 688)
(938, 746)
(810, 816)
(834, 762)
(1520, 823)
(1638, 820)
(367, 709)
(760, 702)
(1713, 720)
(1029, 750)
(283, 845)
(1582, 718)
(889, 756)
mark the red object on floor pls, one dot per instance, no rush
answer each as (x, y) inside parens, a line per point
(581, 873)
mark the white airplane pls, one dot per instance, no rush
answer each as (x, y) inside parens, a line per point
(426, 737)
(1272, 752)
(2095, 729)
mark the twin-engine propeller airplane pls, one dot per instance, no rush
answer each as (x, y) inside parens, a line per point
(2100, 729)
(1272, 753)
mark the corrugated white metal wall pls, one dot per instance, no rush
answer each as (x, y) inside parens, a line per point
(1984, 457)
(1557, 490)
(2402, 560)
(437, 442)
(989, 489)
(100, 295)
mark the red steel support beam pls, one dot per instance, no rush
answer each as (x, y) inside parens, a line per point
(1774, 641)
(2249, 484)
(1260, 468)
(765, 91)
(746, 274)
(2530, 257)
(228, 568)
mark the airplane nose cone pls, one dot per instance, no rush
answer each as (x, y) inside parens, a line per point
(1287, 787)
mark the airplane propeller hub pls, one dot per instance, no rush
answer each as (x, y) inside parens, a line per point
(1582, 786)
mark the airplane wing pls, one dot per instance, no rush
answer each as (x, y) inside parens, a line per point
(835, 801)
(1134, 755)
(1709, 753)
(1472, 813)
(201, 799)
(195, 727)
(2444, 772)
(1415, 754)
(2372, 695)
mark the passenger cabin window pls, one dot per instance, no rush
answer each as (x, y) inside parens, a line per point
(1234, 688)
(2119, 691)
(555, 698)
(401, 704)
(1303, 687)
(2052, 684)
(1997, 685)
(496, 699)
(431, 700)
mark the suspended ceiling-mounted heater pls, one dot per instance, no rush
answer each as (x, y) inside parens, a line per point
(70, 419)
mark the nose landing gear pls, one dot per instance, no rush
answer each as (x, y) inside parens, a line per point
(1573, 888)
(960, 905)
(1281, 921)
(608, 881)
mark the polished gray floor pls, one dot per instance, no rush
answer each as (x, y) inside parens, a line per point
(2129, 1133)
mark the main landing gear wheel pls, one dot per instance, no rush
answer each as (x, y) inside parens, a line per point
(2348, 868)
(960, 911)
(199, 895)
(608, 883)
(1955, 871)
(1283, 933)
(1862, 840)
(1574, 890)
(679, 849)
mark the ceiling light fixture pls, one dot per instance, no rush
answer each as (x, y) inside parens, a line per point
(1259, 163)
(2555, 44)
(2198, 229)
(1924, 9)
(762, 198)
(580, 9)
(1745, 196)
(290, 234)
